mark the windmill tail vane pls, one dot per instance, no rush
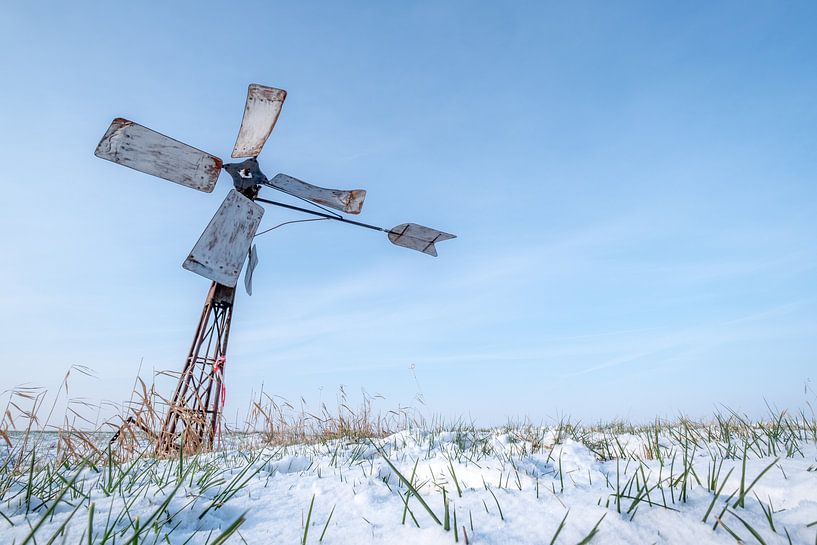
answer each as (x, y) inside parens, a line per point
(192, 419)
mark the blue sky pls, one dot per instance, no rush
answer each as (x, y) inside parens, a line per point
(632, 184)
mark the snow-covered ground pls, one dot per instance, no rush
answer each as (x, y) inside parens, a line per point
(667, 484)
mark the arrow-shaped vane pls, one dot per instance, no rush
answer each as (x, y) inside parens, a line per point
(417, 237)
(408, 235)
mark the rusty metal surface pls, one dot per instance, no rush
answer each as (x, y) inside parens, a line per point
(132, 145)
(194, 413)
(350, 201)
(260, 114)
(222, 248)
(418, 237)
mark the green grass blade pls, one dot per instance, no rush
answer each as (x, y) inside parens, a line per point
(308, 518)
(748, 527)
(325, 526)
(589, 537)
(739, 502)
(559, 529)
(408, 485)
(231, 529)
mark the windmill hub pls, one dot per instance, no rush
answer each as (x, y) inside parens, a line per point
(246, 174)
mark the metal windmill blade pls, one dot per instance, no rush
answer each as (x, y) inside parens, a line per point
(222, 248)
(260, 114)
(132, 145)
(252, 262)
(350, 201)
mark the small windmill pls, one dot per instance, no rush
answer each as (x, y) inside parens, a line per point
(192, 418)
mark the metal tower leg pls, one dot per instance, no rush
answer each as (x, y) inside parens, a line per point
(192, 418)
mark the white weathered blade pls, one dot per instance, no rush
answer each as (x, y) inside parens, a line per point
(222, 248)
(417, 237)
(252, 261)
(132, 145)
(346, 201)
(260, 114)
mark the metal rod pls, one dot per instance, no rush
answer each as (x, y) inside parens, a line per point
(321, 214)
